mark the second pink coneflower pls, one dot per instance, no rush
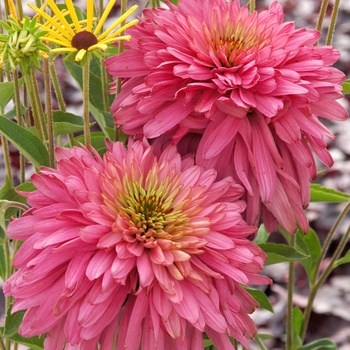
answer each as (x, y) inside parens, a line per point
(248, 86)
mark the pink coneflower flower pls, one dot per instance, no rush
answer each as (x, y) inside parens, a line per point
(251, 85)
(150, 251)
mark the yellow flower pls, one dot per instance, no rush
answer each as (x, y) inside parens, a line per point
(82, 36)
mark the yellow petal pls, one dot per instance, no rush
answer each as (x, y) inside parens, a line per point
(115, 24)
(101, 46)
(59, 15)
(81, 53)
(89, 15)
(51, 20)
(73, 14)
(104, 16)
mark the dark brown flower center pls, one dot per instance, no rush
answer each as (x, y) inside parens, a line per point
(84, 40)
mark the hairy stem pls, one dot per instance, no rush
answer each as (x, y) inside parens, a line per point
(48, 108)
(318, 280)
(289, 328)
(86, 91)
(333, 22)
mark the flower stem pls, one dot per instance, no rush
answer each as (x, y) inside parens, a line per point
(19, 121)
(123, 5)
(333, 22)
(291, 276)
(317, 283)
(48, 108)
(59, 95)
(322, 14)
(7, 159)
(260, 343)
(86, 91)
(31, 86)
(252, 6)
(57, 88)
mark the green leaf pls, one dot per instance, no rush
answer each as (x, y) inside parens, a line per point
(298, 320)
(95, 92)
(2, 262)
(346, 87)
(324, 194)
(277, 253)
(9, 193)
(207, 342)
(98, 141)
(27, 143)
(34, 343)
(262, 235)
(104, 120)
(264, 336)
(12, 323)
(7, 91)
(66, 123)
(320, 344)
(261, 298)
(310, 245)
(344, 260)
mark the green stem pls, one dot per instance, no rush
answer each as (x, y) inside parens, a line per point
(19, 121)
(86, 86)
(291, 276)
(2, 344)
(20, 10)
(7, 159)
(252, 6)
(329, 240)
(39, 105)
(59, 95)
(260, 343)
(317, 283)
(48, 108)
(333, 22)
(123, 7)
(34, 105)
(322, 14)
(155, 3)
(57, 88)
(104, 77)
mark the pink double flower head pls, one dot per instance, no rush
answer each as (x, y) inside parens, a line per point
(145, 248)
(244, 91)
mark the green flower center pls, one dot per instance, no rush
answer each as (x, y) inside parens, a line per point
(152, 212)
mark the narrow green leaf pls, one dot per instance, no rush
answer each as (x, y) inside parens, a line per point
(95, 92)
(298, 320)
(34, 343)
(98, 141)
(104, 120)
(264, 336)
(261, 298)
(7, 91)
(320, 344)
(262, 235)
(344, 260)
(346, 87)
(324, 194)
(277, 253)
(207, 342)
(2, 262)
(66, 123)
(27, 143)
(309, 244)
(9, 193)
